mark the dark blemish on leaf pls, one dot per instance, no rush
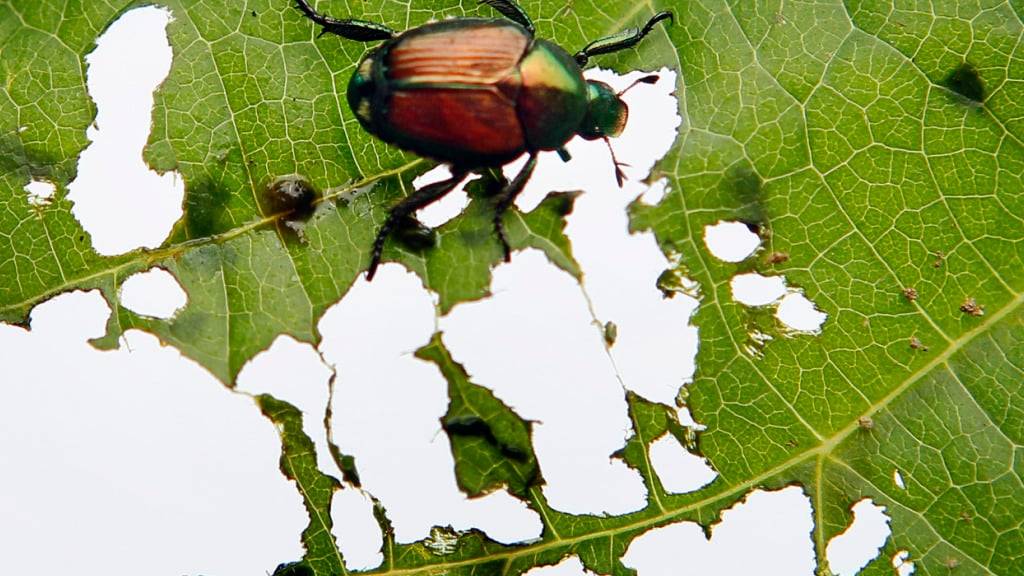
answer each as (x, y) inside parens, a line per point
(792, 443)
(477, 427)
(81, 238)
(951, 563)
(293, 569)
(865, 423)
(940, 257)
(562, 202)
(611, 333)
(910, 293)
(205, 202)
(778, 257)
(972, 308)
(253, 13)
(292, 197)
(39, 163)
(747, 187)
(415, 235)
(347, 464)
(966, 82)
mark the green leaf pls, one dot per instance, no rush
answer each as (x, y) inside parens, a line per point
(490, 443)
(878, 147)
(298, 464)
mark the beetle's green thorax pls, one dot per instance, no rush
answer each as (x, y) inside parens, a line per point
(606, 112)
(552, 99)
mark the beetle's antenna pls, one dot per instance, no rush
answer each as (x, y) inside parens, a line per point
(620, 176)
(649, 79)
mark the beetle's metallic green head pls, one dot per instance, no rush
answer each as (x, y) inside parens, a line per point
(606, 113)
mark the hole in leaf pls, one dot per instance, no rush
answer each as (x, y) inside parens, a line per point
(679, 470)
(756, 290)
(71, 317)
(655, 192)
(534, 345)
(799, 313)
(654, 344)
(386, 410)
(446, 208)
(158, 451)
(154, 293)
(861, 542)
(40, 192)
(731, 241)
(356, 530)
(902, 564)
(293, 372)
(897, 479)
(966, 81)
(117, 198)
(769, 530)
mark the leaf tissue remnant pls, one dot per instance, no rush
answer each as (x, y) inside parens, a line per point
(966, 82)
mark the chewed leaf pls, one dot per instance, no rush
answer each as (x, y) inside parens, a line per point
(870, 155)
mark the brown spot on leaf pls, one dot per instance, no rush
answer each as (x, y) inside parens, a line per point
(916, 344)
(972, 308)
(910, 293)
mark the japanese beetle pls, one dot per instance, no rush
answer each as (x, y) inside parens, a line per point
(477, 93)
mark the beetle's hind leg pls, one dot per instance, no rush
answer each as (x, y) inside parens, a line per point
(505, 198)
(402, 211)
(512, 11)
(359, 30)
(625, 39)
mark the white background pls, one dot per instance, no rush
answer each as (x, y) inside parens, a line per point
(137, 460)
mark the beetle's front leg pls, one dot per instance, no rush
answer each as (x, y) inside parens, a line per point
(621, 40)
(359, 30)
(404, 209)
(505, 198)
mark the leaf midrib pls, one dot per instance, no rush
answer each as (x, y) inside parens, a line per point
(142, 257)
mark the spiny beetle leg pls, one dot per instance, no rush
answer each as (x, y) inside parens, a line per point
(505, 198)
(404, 209)
(359, 30)
(620, 41)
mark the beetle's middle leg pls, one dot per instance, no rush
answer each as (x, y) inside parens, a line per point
(404, 209)
(505, 198)
(359, 30)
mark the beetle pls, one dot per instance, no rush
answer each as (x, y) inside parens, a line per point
(477, 93)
